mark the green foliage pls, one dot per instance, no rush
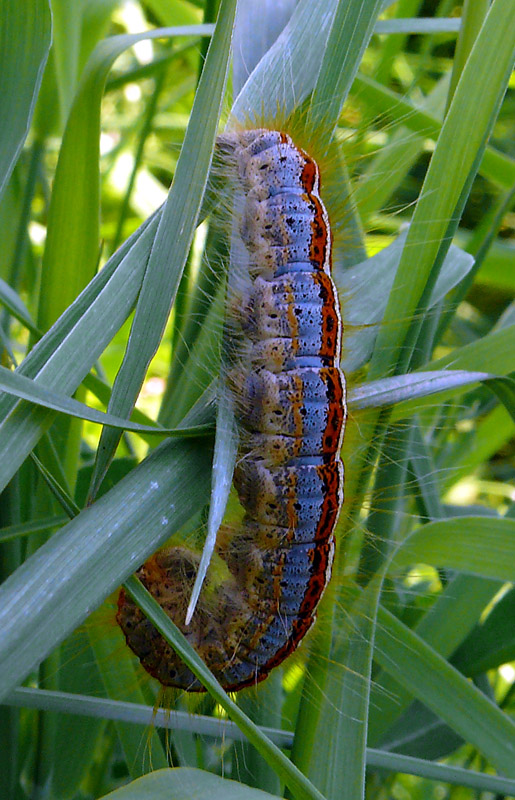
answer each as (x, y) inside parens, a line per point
(405, 687)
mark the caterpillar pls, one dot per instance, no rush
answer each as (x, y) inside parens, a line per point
(289, 395)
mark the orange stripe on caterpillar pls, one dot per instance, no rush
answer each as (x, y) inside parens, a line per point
(290, 406)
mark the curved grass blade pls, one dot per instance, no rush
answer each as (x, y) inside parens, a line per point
(495, 352)
(443, 627)
(48, 346)
(65, 355)
(458, 776)
(226, 445)
(340, 770)
(492, 642)
(63, 702)
(13, 302)
(254, 34)
(388, 391)
(504, 389)
(286, 74)
(351, 29)
(496, 166)
(25, 37)
(28, 389)
(365, 287)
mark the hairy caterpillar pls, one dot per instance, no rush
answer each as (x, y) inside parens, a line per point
(290, 399)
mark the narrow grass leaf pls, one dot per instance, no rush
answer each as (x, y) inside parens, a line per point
(174, 235)
(423, 25)
(494, 353)
(29, 390)
(338, 769)
(117, 670)
(492, 642)
(481, 781)
(144, 715)
(25, 36)
(34, 526)
(388, 391)
(224, 459)
(13, 302)
(135, 713)
(294, 779)
(462, 457)
(473, 15)
(496, 166)
(444, 627)
(67, 24)
(504, 389)
(75, 202)
(47, 347)
(254, 34)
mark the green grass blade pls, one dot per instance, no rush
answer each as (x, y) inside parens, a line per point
(28, 389)
(496, 166)
(491, 434)
(297, 53)
(13, 302)
(49, 344)
(34, 526)
(117, 669)
(174, 235)
(56, 588)
(426, 25)
(207, 726)
(299, 785)
(464, 131)
(365, 287)
(66, 354)
(75, 203)
(67, 19)
(388, 391)
(350, 32)
(473, 16)
(445, 691)
(495, 352)
(136, 714)
(338, 768)
(25, 35)
(254, 34)
(441, 772)
(444, 627)
(477, 545)
(224, 459)
(504, 389)
(492, 642)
